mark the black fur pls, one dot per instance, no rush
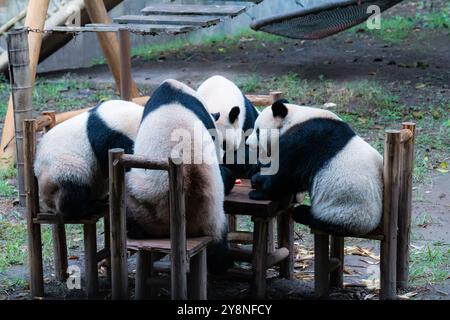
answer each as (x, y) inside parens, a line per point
(215, 116)
(304, 150)
(166, 94)
(302, 214)
(219, 259)
(251, 114)
(102, 138)
(228, 177)
(234, 114)
(74, 201)
(279, 109)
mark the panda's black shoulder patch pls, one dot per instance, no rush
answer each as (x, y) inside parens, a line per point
(102, 138)
(166, 94)
(250, 115)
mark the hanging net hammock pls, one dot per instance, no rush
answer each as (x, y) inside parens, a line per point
(322, 21)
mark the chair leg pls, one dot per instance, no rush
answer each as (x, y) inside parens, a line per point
(388, 259)
(260, 236)
(60, 251)
(143, 272)
(90, 253)
(107, 244)
(286, 239)
(35, 258)
(321, 265)
(198, 277)
(337, 252)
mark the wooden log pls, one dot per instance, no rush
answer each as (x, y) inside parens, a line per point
(51, 116)
(117, 216)
(243, 237)
(143, 273)
(271, 234)
(286, 240)
(90, 260)
(203, 21)
(32, 207)
(259, 263)
(35, 19)
(22, 95)
(12, 22)
(126, 79)
(277, 256)
(198, 277)
(177, 231)
(391, 175)
(108, 41)
(107, 240)
(133, 161)
(321, 265)
(404, 210)
(337, 252)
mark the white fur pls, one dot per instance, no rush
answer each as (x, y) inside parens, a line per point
(148, 190)
(355, 173)
(220, 96)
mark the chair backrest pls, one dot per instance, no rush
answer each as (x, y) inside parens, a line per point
(118, 162)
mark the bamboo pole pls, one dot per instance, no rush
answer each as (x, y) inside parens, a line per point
(22, 95)
(108, 41)
(126, 79)
(35, 19)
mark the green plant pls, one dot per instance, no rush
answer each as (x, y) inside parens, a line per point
(429, 264)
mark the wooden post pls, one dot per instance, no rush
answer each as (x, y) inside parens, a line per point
(32, 207)
(90, 259)
(126, 79)
(22, 94)
(108, 41)
(337, 252)
(107, 244)
(117, 222)
(198, 277)
(143, 273)
(177, 231)
(404, 210)
(391, 175)
(321, 265)
(60, 251)
(286, 240)
(36, 15)
(259, 262)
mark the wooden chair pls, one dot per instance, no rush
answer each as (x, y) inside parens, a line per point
(395, 226)
(35, 219)
(187, 255)
(265, 215)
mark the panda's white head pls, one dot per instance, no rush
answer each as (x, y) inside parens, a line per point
(226, 103)
(282, 116)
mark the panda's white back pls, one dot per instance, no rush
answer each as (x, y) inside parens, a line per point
(356, 173)
(150, 188)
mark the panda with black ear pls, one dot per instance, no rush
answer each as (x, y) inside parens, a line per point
(234, 115)
(71, 163)
(321, 154)
(173, 108)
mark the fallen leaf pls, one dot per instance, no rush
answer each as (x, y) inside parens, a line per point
(73, 258)
(408, 295)
(420, 85)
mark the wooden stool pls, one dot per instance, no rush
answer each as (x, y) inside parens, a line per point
(185, 253)
(35, 219)
(265, 215)
(395, 226)
(150, 251)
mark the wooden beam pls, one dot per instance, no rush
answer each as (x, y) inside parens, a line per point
(108, 41)
(194, 9)
(202, 21)
(35, 19)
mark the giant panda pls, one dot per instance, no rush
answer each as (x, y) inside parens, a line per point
(71, 163)
(321, 154)
(173, 107)
(234, 115)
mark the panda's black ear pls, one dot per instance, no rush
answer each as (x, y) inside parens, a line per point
(279, 109)
(234, 114)
(215, 116)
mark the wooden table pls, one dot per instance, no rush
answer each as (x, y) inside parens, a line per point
(265, 215)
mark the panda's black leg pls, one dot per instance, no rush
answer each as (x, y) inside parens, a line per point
(228, 178)
(219, 259)
(302, 214)
(134, 230)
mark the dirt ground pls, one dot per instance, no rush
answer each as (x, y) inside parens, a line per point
(416, 69)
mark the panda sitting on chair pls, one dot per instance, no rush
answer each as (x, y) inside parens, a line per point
(321, 154)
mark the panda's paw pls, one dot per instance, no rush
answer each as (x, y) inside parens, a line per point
(258, 195)
(258, 181)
